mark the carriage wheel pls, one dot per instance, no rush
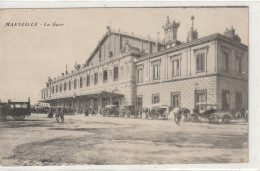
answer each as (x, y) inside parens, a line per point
(3, 117)
(213, 118)
(19, 117)
(227, 119)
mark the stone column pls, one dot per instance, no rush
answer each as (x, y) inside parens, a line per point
(91, 104)
(100, 105)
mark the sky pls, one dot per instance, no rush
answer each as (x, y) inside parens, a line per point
(29, 55)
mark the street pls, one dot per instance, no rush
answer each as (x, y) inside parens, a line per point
(97, 140)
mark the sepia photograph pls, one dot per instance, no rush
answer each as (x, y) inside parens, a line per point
(124, 86)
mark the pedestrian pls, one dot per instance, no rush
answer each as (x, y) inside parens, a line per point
(243, 112)
(93, 112)
(86, 113)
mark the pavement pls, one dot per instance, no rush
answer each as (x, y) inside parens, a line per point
(97, 140)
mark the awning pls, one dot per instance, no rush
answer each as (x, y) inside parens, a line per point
(100, 94)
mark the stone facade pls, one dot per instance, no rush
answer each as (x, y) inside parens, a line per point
(212, 69)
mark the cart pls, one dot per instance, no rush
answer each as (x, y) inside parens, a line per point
(110, 110)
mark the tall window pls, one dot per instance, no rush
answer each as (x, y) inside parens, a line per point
(105, 76)
(53, 89)
(239, 64)
(201, 98)
(88, 80)
(156, 72)
(57, 88)
(200, 62)
(60, 88)
(225, 100)
(225, 61)
(96, 78)
(175, 68)
(81, 82)
(139, 75)
(238, 100)
(69, 85)
(65, 86)
(75, 83)
(139, 102)
(155, 98)
(116, 73)
(176, 100)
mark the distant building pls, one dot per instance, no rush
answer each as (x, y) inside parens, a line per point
(128, 70)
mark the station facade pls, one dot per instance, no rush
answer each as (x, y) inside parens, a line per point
(125, 69)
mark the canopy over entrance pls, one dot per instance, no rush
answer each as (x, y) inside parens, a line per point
(96, 95)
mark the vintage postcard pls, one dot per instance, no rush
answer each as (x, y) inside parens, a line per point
(124, 86)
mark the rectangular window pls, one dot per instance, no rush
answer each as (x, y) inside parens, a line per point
(139, 75)
(53, 89)
(225, 100)
(139, 102)
(176, 100)
(238, 100)
(200, 62)
(239, 65)
(201, 99)
(69, 85)
(96, 78)
(75, 83)
(156, 72)
(65, 86)
(61, 88)
(57, 88)
(105, 76)
(225, 61)
(175, 68)
(88, 80)
(156, 98)
(116, 73)
(81, 82)
(47, 93)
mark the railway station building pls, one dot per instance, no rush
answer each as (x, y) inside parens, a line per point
(125, 69)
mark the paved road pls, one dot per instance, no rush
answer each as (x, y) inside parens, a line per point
(101, 140)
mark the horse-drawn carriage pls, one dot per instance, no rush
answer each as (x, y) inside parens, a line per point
(130, 112)
(18, 110)
(157, 111)
(110, 110)
(210, 113)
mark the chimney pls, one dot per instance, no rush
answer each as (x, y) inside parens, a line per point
(230, 33)
(158, 41)
(66, 72)
(192, 34)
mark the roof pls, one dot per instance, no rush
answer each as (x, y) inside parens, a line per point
(194, 43)
(109, 33)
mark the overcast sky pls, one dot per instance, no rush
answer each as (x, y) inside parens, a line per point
(28, 55)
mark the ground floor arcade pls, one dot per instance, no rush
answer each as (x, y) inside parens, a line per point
(89, 102)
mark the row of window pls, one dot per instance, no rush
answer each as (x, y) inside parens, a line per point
(63, 87)
(200, 66)
(226, 62)
(200, 98)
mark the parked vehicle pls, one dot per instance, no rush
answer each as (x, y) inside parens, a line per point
(207, 112)
(110, 110)
(157, 111)
(18, 110)
(130, 112)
